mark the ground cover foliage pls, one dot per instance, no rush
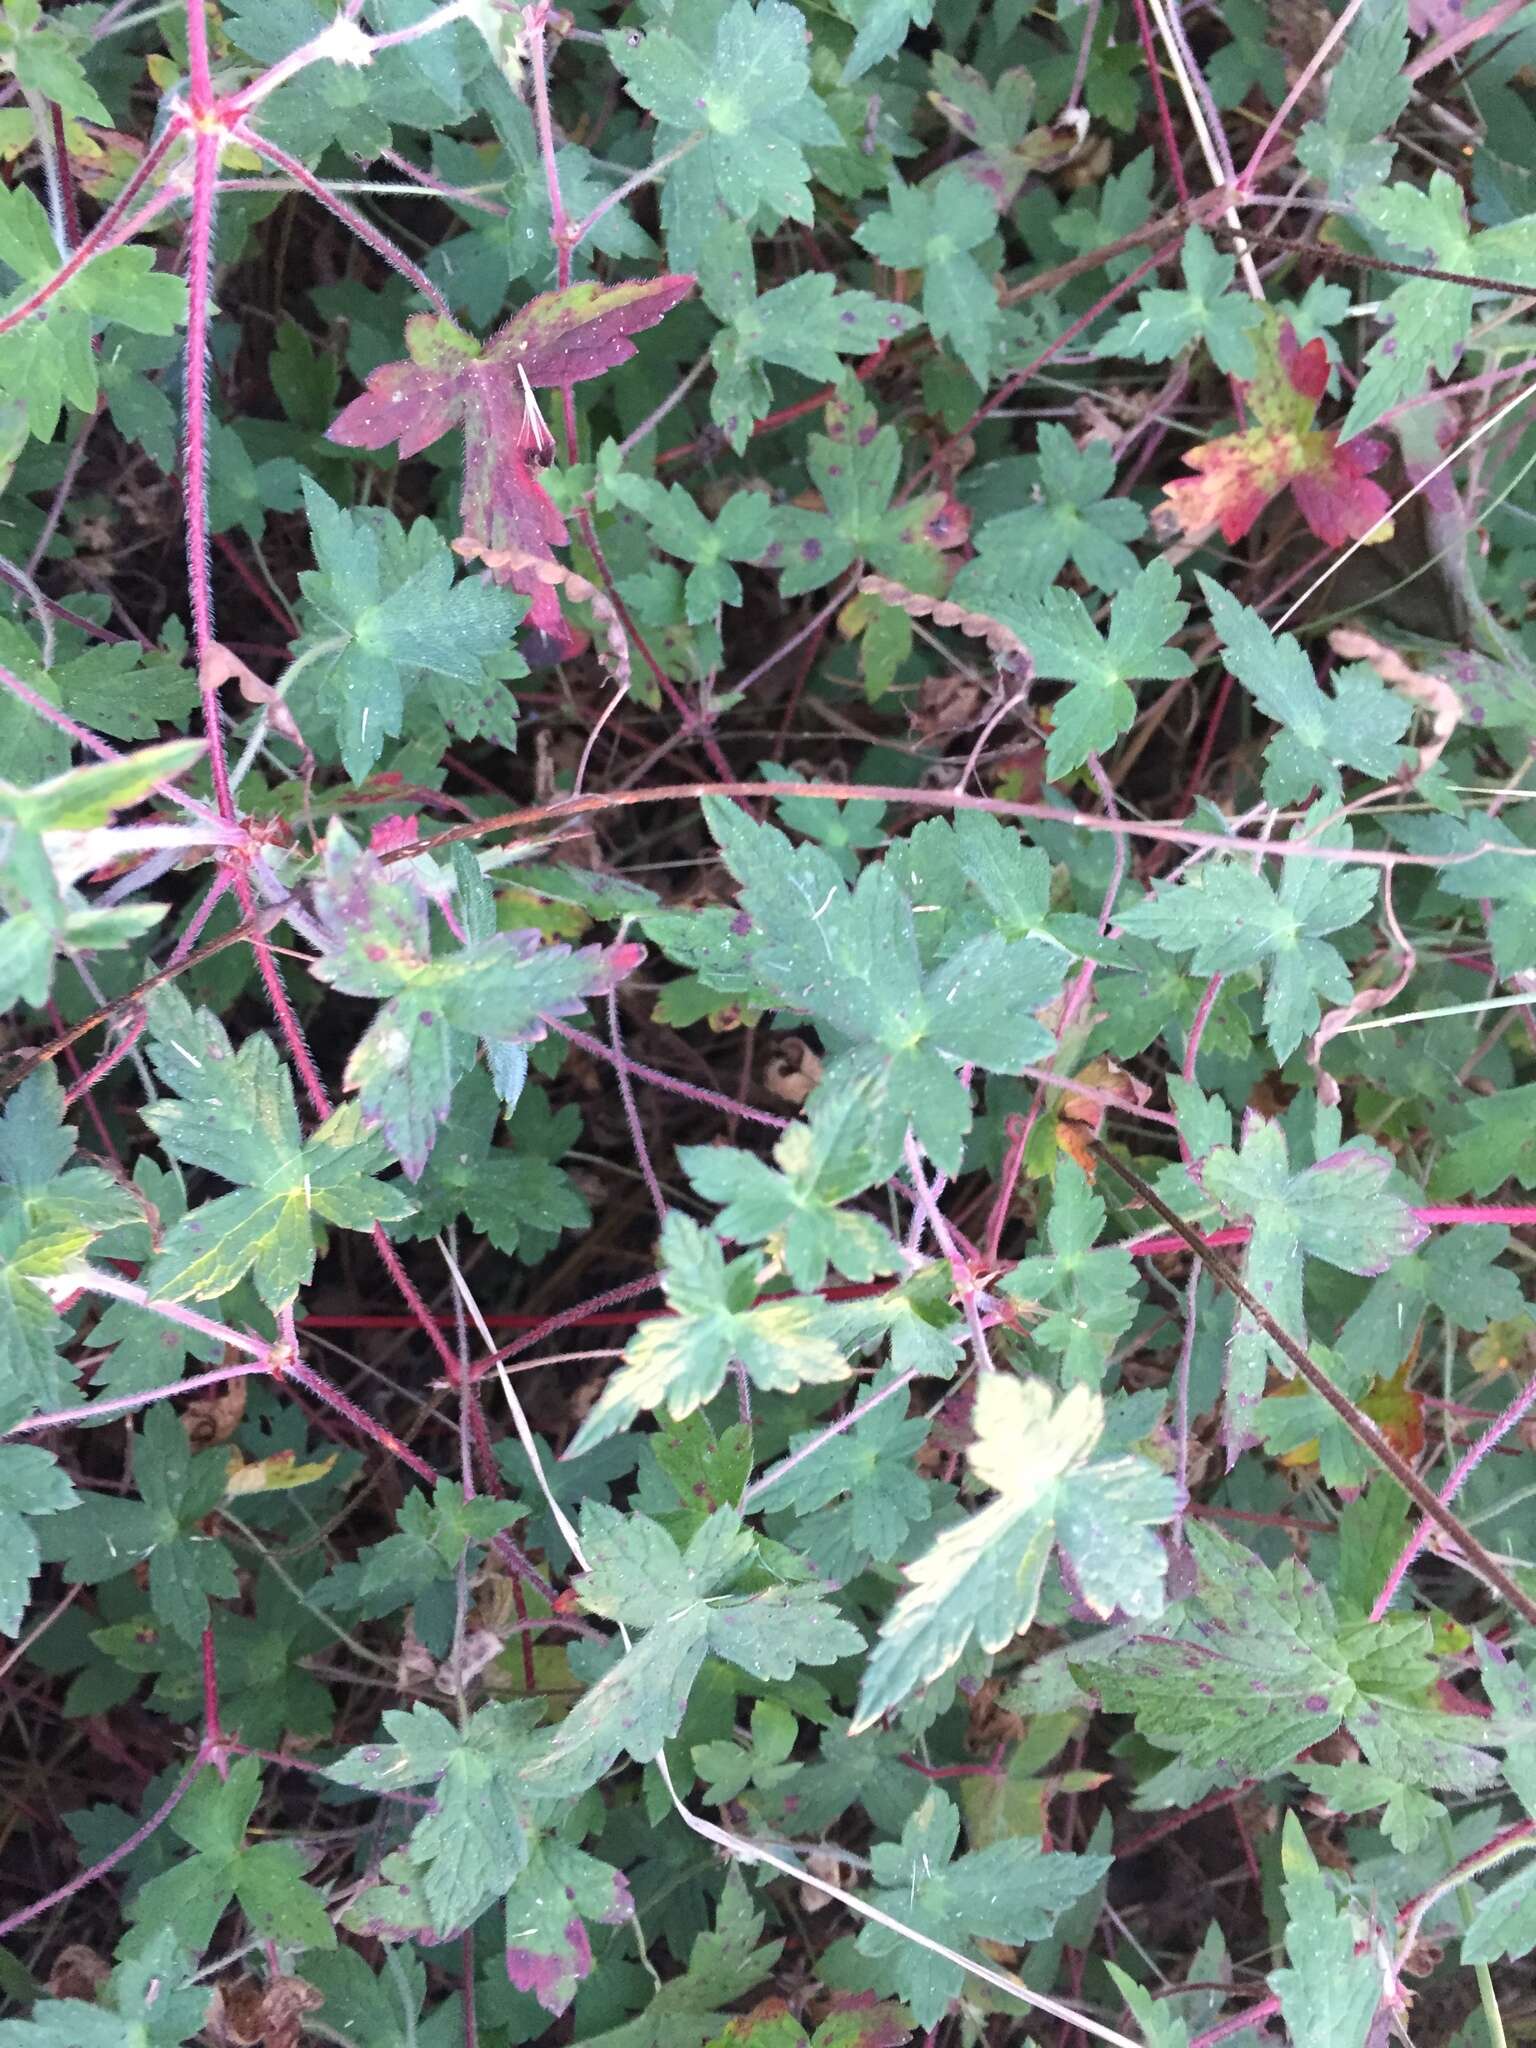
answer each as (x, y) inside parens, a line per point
(769, 1104)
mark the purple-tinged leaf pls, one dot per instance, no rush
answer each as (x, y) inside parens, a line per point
(548, 1950)
(450, 381)
(376, 923)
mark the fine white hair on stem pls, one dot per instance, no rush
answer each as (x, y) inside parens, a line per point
(739, 1846)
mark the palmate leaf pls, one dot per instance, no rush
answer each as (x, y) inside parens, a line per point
(858, 1496)
(741, 76)
(1166, 322)
(855, 466)
(1358, 725)
(1230, 918)
(51, 1211)
(148, 2002)
(1010, 1892)
(1085, 1298)
(451, 382)
(934, 229)
(796, 1206)
(805, 324)
(1072, 517)
(390, 630)
(681, 1605)
(1065, 643)
(1282, 449)
(376, 923)
(724, 1963)
(981, 1580)
(1431, 320)
(103, 1534)
(265, 1878)
(1340, 1210)
(1258, 1666)
(1329, 1995)
(478, 1839)
(235, 1116)
(43, 853)
(680, 1361)
(49, 360)
(849, 958)
(858, 2019)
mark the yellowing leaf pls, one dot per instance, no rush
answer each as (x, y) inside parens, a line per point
(278, 1474)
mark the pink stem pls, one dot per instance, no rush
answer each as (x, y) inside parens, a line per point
(316, 1384)
(1237, 2024)
(80, 734)
(359, 224)
(636, 1068)
(126, 1404)
(120, 1854)
(1463, 1469)
(113, 227)
(1164, 116)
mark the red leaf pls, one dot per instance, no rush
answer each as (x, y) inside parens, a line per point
(449, 381)
(1242, 473)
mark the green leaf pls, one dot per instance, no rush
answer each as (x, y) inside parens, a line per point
(850, 959)
(1367, 90)
(30, 1484)
(235, 1117)
(513, 1194)
(678, 527)
(1230, 918)
(795, 1207)
(806, 324)
(1340, 1210)
(547, 1949)
(476, 1841)
(47, 361)
(857, 1496)
(681, 1360)
(1504, 1922)
(103, 1534)
(682, 1600)
(376, 927)
(1071, 517)
(855, 466)
(389, 633)
(729, 1768)
(264, 1878)
(147, 2003)
(723, 1965)
(1010, 1892)
(1165, 323)
(1329, 1995)
(981, 1580)
(42, 58)
(1496, 1142)
(934, 229)
(41, 859)
(1089, 1296)
(744, 80)
(1429, 320)
(1358, 726)
(50, 1214)
(1065, 644)
(1258, 1667)
(882, 29)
